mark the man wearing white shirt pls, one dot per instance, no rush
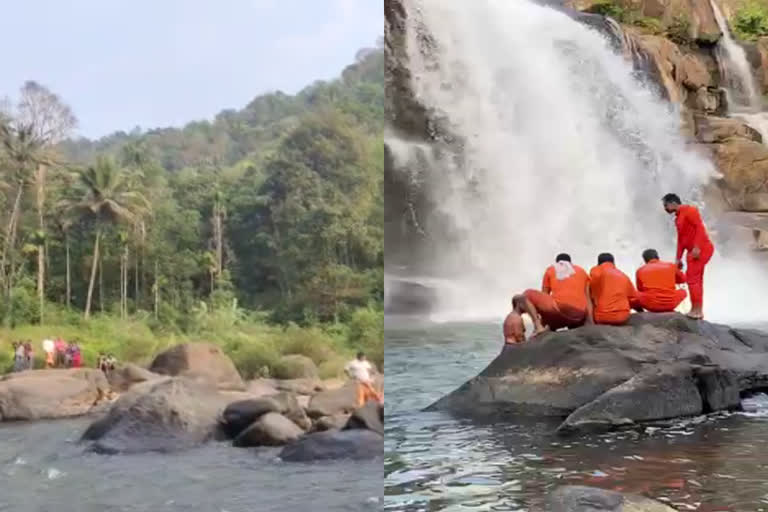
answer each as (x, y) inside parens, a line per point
(360, 370)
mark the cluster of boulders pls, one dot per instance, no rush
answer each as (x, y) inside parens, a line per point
(192, 393)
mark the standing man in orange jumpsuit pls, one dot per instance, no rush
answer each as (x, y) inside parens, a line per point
(612, 292)
(563, 300)
(656, 282)
(693, 239)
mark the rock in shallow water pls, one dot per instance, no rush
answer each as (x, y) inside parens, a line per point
(659, 366)
(271, 429)
(355, 444)
(589, 499)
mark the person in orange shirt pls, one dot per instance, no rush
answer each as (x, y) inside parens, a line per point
(612, 292)
(656, 280)
(692, 238)
(563, 301)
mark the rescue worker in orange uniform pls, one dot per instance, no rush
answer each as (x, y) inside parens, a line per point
(613, 293)
(563, 301)
(693, 239)
(656, 284)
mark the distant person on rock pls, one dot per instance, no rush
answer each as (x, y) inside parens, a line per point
(693, 239)
(613, 293)
(60, 350)
(29, 355)
(18, 360)
(656, 284)
(360, 370)
(563, 301)
(49, 348)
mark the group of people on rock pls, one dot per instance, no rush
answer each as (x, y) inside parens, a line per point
(570, 297)
(60, 354)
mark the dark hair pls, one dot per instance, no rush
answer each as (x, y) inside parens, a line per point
(563, 257)
(605, 257)
(650, 254)
(360, 354)
(517, 301)
(671, 198)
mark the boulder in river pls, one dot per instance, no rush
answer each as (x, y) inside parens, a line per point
(239, 415)
(370, 417)
(126, 375)
(337, 401)
(271, 429)
(335, 444)
(165, 415)
(48, 394)
(199, 360)
(658, 367)
(574, 498)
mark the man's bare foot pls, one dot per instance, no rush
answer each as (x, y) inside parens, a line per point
(542, 330)
(696, 315)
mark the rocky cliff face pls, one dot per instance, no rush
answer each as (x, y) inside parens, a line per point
(672, 42)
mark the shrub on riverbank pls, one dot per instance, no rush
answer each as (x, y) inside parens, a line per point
(253, 344)
(751, 20)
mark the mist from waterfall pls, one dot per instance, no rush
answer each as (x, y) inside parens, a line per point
(562, 150)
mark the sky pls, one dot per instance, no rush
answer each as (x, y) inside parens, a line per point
(155, 63)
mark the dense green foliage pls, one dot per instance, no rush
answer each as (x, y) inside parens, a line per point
(751, 20)
(271, 214)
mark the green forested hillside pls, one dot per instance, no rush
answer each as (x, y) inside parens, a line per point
(269, 214)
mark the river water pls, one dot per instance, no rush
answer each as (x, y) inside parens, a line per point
(434, 462)
(44, 469)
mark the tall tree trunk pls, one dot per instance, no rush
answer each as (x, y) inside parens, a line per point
(10, 240)
(92, 281)
(136, 286)
(101, 284)
(157, 291)
(40, 179)
(69, 275)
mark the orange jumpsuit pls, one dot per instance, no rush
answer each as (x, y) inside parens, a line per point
(691, 233)
(366, 392)
(566, 304)
(514, 329)
(612, 294)
(656, 282)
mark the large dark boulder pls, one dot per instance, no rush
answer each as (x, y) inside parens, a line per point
(204, 361)
(659, 366)
(239, 415)
(575, 498)
(355, 444)
(163, 415)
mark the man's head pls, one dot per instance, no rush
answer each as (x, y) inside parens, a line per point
(671, 202)
(563, 257)
(605, 257)
(361, 356)
(650, 254)
(518, 304)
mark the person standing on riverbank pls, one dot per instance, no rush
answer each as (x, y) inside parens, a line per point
(49, 347)
(29, 356)
(18, 360)
(360, 370)
(693, 239)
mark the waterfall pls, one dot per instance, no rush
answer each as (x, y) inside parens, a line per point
(735, 69)
(744, 101)
(561, 149)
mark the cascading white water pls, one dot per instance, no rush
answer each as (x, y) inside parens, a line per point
(744, 101)
(563, 150)
(734, 68)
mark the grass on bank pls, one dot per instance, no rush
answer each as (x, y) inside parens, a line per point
(254, 345)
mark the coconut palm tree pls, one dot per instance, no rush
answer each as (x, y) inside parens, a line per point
(108, 196)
